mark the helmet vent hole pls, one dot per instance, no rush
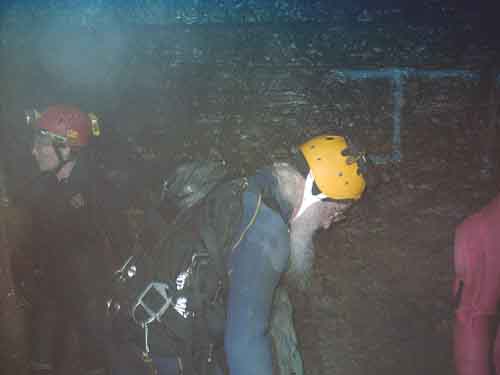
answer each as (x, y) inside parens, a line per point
(340, 174)
(318, 159)
(330, 138)
(346, 183)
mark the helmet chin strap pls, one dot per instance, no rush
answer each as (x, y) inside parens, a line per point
(62, 161)
(308, 198)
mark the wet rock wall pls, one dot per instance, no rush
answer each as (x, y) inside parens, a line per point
(159, 82)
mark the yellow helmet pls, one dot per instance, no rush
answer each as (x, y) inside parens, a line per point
(336, 175)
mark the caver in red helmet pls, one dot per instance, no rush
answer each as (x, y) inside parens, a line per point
(65, 124)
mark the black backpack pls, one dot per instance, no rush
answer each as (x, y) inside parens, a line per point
(172, 297)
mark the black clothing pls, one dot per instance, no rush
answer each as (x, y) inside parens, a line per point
(80, 232)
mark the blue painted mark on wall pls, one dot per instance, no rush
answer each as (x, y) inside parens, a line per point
(398, 77)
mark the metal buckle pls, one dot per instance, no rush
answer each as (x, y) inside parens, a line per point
(183, 278)
(126, 271)
(162, 290)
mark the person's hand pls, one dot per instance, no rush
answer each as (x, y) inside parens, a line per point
(77, 201)
(65, 171)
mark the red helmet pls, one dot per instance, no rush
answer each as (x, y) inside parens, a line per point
(66, 124)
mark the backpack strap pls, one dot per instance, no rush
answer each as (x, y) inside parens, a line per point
(220, 220)
(250, 223)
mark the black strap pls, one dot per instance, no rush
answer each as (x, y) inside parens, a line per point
(220, 222)
(209, 238)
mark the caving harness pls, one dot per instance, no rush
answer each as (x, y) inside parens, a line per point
(178, 289)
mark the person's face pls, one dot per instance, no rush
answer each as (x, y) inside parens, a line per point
(332, 212)
(45, 153)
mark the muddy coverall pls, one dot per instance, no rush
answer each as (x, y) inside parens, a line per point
(78, 227)
(477, 292)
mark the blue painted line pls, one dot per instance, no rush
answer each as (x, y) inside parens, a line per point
(356, 74)
(397, 95)
(398, 77)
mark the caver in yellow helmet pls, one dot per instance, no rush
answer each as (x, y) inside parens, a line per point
(336, 175)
